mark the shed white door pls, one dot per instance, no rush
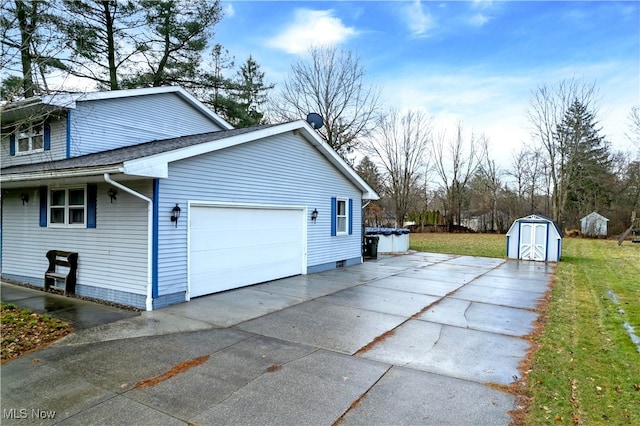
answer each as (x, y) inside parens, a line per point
(533, 241)
(231, 247)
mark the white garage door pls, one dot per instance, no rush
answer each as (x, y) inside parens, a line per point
(231, 247)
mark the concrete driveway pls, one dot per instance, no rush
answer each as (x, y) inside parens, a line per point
(411, 339)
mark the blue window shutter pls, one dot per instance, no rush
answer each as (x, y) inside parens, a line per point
(43, 206)
(334, 209)
(350, 216)
(92, 196)
(47, 136)
(12, 145)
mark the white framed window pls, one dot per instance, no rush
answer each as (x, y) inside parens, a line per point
(342, 216)
(68, 207)
(29, 139)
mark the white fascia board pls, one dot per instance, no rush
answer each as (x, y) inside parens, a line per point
(146, 167)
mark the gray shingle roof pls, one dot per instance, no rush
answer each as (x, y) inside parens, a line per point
(120, 155)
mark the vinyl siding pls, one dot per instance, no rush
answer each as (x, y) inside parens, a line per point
(112, 123)
(280, 170)
(57, 152)
(112, 256)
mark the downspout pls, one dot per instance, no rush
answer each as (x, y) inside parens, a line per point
(362, 235)
(149, 300)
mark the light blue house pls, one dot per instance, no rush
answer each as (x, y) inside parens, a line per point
(164, 201)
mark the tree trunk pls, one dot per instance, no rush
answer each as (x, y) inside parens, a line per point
(26, 32)
(111, 49)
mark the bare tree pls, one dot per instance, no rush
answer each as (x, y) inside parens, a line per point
(518, 172)
(400, 145)
(455, 162)
(528, 170)
(634, 126)
(547, 108)
(330, 83)
(491, 178)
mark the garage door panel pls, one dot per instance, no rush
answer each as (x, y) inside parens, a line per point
(232, 247)
(258, 257)
(258, 247)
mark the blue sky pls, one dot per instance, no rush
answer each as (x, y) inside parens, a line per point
(475, 62)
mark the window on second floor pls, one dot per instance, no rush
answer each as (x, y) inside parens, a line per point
(30, 139)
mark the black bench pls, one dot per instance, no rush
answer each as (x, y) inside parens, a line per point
(61, 258)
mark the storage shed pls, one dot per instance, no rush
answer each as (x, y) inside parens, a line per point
(534, 237)
(594, 225)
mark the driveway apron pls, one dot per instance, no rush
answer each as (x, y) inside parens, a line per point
(412, 339)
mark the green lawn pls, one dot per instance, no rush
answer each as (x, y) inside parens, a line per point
(586, 369)
(486, 245)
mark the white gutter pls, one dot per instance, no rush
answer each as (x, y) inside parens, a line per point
(149, 300)
(62, 174)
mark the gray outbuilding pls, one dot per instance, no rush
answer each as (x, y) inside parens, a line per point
(594, 225)
(535, 237)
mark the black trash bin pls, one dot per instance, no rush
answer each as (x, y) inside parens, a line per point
(371, 246)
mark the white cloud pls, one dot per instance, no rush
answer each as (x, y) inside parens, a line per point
(479, 20)
(495, 104)
(229, 11)
(482, 4)
(311, 28)
(418, 19)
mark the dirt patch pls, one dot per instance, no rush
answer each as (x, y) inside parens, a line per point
(380, 338)
(273, 368)
(174, 371)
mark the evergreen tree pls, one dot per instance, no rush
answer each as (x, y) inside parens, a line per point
(178, 34)
(101, 38)
(586, 171)
(214, 85)
(30, 46)
(249, 93)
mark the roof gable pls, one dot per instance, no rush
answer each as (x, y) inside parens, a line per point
(62, 101)
(151, 159)
(594, 216)
(535, 218)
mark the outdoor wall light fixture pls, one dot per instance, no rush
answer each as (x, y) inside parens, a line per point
(25, 198)
(314, 215)
(175, 214)
(112, 193)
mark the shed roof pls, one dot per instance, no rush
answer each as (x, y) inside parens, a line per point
(594, 216)
(536, 218)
